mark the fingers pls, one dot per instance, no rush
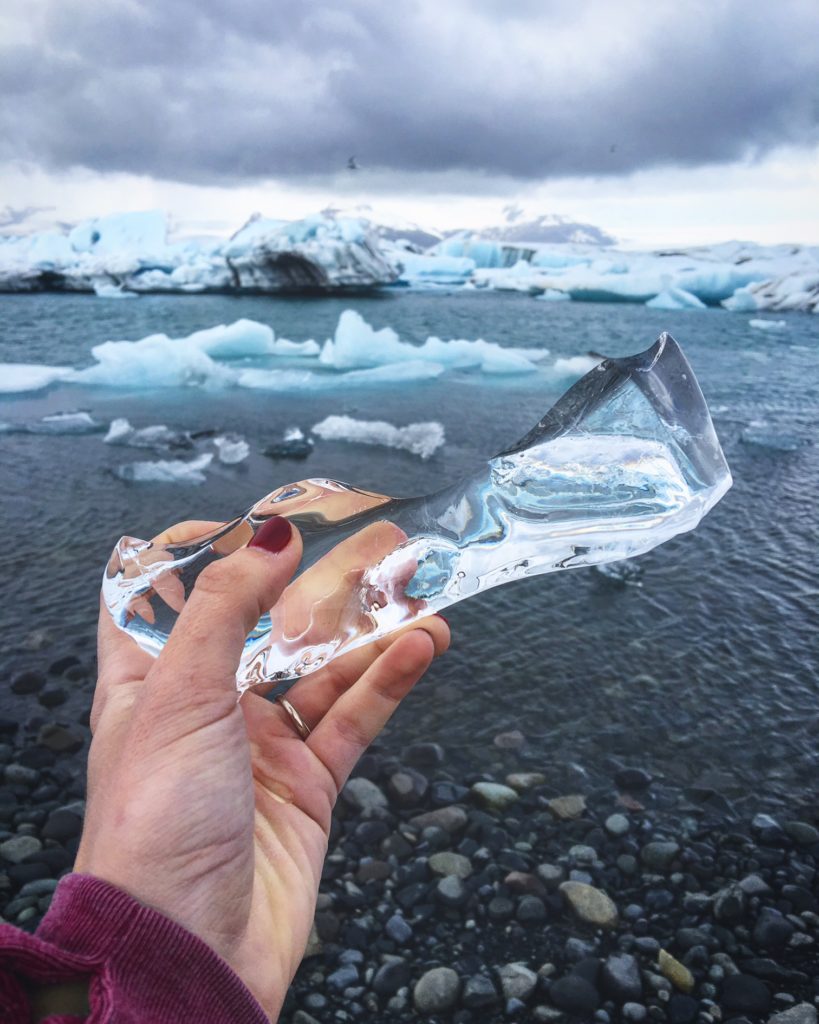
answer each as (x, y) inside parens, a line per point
(317, 693)
(200, 659)
(359, 715)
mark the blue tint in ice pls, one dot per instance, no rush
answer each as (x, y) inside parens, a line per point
(627, 459)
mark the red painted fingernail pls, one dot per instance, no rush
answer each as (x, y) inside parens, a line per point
(272, 536)
(446, 620)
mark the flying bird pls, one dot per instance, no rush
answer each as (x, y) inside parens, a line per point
(352, 164)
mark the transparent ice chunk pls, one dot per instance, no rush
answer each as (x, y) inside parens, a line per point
(625, 460)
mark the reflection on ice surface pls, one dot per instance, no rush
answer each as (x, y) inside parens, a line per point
(625, 460)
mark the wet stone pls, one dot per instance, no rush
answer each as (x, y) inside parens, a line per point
(446, 862)
(364, 795)
(424, 755)
(523, 781)
(682, 1009)
(437, 990)
(620, 978)
(407, 788)
(61, 825)
(398, 929)
(802, 833)
(744, 993)
(512, 740)
(61, 739)
(659, 855)
(20, 775)
(494, 796)
(52, 696)
(632, 779)
(772, 930)
(531, 910)
(27, 682)
(391, 976)
(450, 819)
(802, 1013)
(16, 849)
(679, 975)
(590, 904)
(567, 808)
(451, 891)
(617, 825)
(575, 995)
(479, 993)
(517, 981)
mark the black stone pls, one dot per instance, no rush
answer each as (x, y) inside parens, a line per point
(479, 992)
(61, 665)
(62, 825)
(772, 930)
(531, 910)
(745, 994)
(52, 696)
(391, 976)
(28, 682)
(682, 1009)
(298, 448)
(632, 778)
(574, 994)
(36, 757)
(424, 755)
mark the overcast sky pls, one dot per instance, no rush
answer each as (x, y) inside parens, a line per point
(660, 121)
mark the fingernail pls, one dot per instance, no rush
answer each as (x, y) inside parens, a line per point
(272, 536)
(446, 620)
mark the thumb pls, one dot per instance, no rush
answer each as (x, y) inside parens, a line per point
(200, 659)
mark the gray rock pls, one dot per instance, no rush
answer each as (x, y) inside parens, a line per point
(448, 863)
(437, 990)
(16, 849)
(512, 740)
(61, 825)
(617, 825)
(620, 978)
(39, 887)
(62, 739)
(634, 1012)
(451, 891)
(802, 1013)
(517, 981)
(567, 808)
(753, 885)
(729, 904)
(771, 931)
(344, 977)
(300, 1017)
(745, 994)
(550, 874)
(522, 781)
(494, 795)
(398, 929)
(451, 819)
(802, 833)
(590, 904)
(531, 910)
(479, 993)
(19, 775)
(28, 682)
(659, 855)
(391, 976)
(424, 755)
(767, 829)
(364, 795)
(407, 787)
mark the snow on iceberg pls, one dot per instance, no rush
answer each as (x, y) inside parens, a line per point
(418, 438)
(675, 298)
(796, 292)
(166, 471)
(56, 423)
(357, 345)
(17, 378)
(574, 366)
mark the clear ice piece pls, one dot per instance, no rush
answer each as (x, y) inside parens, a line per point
(626, 459)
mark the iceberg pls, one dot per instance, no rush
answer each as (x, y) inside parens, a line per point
(626, 459)
(294, 445)
(675, 298)
(16, 378)
(795, 292)
(356, 345)
(422, 439)
(170, 471)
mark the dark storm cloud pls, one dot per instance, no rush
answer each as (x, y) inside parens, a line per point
(218, 92)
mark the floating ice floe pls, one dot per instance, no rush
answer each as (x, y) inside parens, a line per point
(166, 471)
(106, 290)
(768, 325)
(231, 449)
(57, 423)
(121, 432)
(422, 439)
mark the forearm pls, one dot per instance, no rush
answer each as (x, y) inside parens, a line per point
(134, 964)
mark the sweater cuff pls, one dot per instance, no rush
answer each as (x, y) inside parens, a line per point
(144, 966)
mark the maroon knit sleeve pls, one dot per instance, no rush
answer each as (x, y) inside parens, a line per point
(141, 966)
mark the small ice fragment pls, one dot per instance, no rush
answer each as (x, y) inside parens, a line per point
(418, 438)
(628, 572)
(231, 449)
(16, 378)
(170, 471)
(768, 325)
(121, 432)
(293, 446)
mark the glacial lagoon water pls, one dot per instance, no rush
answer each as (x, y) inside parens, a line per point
(702, 666)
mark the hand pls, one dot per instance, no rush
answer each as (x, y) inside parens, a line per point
(215, 812)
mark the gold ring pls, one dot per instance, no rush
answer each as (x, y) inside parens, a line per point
(302, 728)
